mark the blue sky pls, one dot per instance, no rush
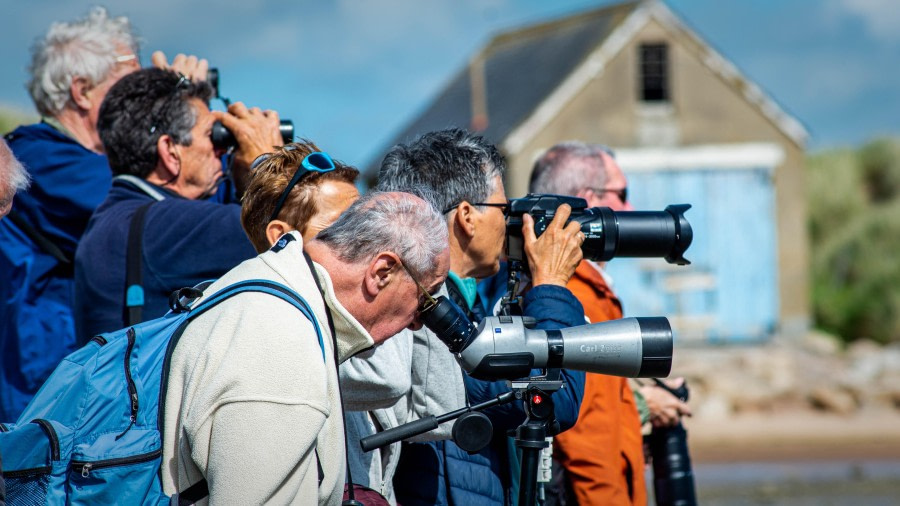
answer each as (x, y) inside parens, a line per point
(351, 73)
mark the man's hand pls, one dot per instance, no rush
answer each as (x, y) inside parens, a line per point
(666, 410)
(256, 132)
(194, 68)
(554, 256)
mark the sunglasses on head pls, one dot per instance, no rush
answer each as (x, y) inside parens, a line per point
(316, 161)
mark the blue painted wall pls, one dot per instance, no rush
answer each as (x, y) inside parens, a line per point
(729, 293)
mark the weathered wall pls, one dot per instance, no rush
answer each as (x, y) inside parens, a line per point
(704, 109)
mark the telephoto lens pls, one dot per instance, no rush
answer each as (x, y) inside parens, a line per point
(673, 477)
(650, 234)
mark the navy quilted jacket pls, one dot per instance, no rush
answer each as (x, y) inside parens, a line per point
(441, 473)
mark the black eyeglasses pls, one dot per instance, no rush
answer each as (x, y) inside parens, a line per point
(504, 207)
(317, 161)
(427, 302)
(622, 193)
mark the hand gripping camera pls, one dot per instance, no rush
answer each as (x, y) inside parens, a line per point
(607, 234)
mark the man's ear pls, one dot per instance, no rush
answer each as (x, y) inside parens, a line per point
(465, 218)
(382, 269)
(167, 151)
(275, 229)
(80, 91)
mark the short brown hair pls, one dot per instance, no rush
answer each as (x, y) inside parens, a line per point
(269, 180)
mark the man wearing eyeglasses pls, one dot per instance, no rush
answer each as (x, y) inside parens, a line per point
(156, 232)
(603, 454)
(252, 405)
(465, 174)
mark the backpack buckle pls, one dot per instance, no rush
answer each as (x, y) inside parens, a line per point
(180, 300)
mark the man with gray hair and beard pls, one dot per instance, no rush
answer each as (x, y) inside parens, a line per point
(253, 403)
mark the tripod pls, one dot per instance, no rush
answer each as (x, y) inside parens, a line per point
(536, 393)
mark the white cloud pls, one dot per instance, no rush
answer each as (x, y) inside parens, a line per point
(880, 17)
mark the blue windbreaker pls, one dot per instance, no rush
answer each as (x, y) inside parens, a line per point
(36, 323)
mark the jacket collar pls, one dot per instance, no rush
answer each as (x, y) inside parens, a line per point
(286, 258)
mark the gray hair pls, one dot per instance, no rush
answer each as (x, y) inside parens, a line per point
(453, 164)
(85, 48)
(13, 176)
(389, 221)
(569, 167)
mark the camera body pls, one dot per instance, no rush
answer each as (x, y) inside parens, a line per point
(608, 234)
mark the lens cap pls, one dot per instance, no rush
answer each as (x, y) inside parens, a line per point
(472, 431)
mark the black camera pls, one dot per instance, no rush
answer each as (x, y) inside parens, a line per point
(608, 234)
(673, 477)
(222, 138)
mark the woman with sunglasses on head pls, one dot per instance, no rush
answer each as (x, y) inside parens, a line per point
(296, 187)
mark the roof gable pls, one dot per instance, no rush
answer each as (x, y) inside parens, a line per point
(502, 94)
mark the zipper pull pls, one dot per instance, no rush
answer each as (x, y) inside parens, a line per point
(134, 405)
(86, 470)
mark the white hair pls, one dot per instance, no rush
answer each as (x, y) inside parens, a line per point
(88, 48)
(13, 176)
(389, 221)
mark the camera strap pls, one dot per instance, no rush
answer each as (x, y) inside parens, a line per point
(334, 345)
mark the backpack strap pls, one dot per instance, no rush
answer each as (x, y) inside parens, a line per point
(351, 497)
(134, 267)
(193, 493)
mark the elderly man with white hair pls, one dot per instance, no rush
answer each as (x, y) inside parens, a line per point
(13, 178)
(72, 68)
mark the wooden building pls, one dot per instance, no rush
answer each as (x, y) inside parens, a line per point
(687, 126)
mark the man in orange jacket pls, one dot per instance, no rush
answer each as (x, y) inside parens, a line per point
(603, 454)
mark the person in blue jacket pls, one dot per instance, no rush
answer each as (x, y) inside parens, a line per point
(156, 125)
(72, 68)
(463, 174)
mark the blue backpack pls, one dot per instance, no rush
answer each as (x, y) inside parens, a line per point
(92, 434)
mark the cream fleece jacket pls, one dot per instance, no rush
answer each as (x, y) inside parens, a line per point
(251, 405)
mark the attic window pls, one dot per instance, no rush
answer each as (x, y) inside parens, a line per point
(654, 72)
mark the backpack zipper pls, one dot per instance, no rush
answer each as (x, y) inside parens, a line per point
(51, 433)
(22, 473)
(99, 340)
(132, 389)
(3, 427)
(86, 467)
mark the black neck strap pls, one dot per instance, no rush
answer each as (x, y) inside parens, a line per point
(312, 269)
